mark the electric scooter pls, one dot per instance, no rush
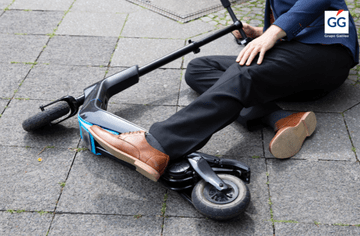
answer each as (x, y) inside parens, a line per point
(214, 186)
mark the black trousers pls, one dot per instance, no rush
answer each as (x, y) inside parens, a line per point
(290, 69)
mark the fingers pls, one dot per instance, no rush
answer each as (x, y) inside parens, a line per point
(248, 54)
(261, 56)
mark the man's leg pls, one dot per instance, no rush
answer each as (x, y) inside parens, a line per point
(287, 69)
(203, 72)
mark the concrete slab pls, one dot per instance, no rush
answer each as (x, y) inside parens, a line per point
(225, 45)
(196, 226)
(146, 24)
(321, 191)
(312, 229)
(65, 224)
(92, 24)
(107, 6)
(339, 100)
(351, 118)
(74, 50)
(65, 135)
(29, 184)
(51, 82)
(45, 5)
(187, 94)
(5, 3)
(159, 87)
(99, 185)
(21, 48)
(139, 51)
(24, 223)
(12, 75)
(3, 103)
(29, 22)
(330, 141)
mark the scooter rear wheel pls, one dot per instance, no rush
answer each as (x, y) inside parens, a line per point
(45, 117)
(219, 205)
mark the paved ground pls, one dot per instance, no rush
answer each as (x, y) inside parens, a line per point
(50, 48)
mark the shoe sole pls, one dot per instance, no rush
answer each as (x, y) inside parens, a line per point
(141, 167)
(288, 141)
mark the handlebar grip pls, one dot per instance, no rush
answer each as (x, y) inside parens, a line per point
(225, 3)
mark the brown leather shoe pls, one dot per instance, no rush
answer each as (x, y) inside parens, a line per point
(133, 148)
(291, 133)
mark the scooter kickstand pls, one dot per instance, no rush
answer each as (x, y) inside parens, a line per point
(202, 167)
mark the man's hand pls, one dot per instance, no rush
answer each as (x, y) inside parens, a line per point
(250, 31)
(260, 45)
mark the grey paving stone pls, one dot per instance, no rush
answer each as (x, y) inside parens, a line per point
(108, 6)
(351, 118)
(195, 226)
(50, 82)
(3, 103)
(187, 94)
(46, 5)
(92, 23)
(353, 77)
(24, 223)
(258, 208)
(5, 3)
(75, 50)
(330, 141)
(29, 184)
(225, 45)
(11, 76)
(99, 185)
(149, 24)
(138, 51)
(105, 225)
(160, 87)
(312, 229)
(321, 191)
(21, 48)
(65, 135)
(29, 22)
(337, 101)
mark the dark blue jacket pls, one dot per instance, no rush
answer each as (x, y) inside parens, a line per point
(303, 21)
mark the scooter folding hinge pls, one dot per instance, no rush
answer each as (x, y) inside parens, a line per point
(202, 167)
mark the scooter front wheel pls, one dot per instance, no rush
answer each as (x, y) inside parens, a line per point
(221, 205)
(46, 117)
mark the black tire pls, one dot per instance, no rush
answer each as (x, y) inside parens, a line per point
(46, 117)
(221, 207)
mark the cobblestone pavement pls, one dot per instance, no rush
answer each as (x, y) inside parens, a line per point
(51, 185)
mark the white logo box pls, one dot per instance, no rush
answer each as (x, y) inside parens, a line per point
(336, 22)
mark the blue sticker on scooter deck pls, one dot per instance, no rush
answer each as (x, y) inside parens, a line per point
(86, 135)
